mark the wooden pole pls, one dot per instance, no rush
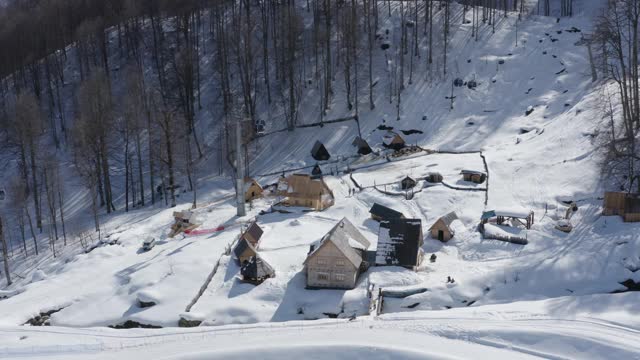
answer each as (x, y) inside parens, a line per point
(5, 254)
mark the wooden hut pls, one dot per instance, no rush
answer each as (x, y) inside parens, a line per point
(319, 152)
(338, 259)
(379, 213)
(256, 270)
(393, 140)
(303, 190)
(477, 177)
(362, 145)
(252, 190)
(623, 204)
(253, 234)
(244, 250)
(442, 229)
(407, 183)
(434, 177)
(183, 220)
(400, 243)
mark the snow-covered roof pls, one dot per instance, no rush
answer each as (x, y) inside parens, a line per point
(347, 238)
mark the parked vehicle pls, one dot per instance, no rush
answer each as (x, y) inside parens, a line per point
(148, 244)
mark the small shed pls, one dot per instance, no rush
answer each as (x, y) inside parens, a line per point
(442, 229)
(393, 140)
(380, 212)
(434, 177)
(623, 204)
(407, 183)
(253, 234)
(362, 145)
(319, 152)
(316, 172)
(252, 190)
(256, 270)
(477, 177)
(244, 251)
(183, 220)
(400, 243)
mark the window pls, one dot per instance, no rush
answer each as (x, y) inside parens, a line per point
(339, 277)
(322, 277)
(340, 262)
(321, 261)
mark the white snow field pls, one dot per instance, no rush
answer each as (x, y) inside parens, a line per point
(548, 299)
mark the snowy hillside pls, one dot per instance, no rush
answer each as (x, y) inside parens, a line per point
(533, 123)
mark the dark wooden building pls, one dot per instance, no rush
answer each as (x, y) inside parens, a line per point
(434, 177)
(400, 243)
(477, 177)
(623, 204)
(253, 234)
(256, 270)
(319, 152)
(407, 183)
(393, 140)
(316, 172)
(362, 145)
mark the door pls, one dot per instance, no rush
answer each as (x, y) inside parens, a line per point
(440, 235)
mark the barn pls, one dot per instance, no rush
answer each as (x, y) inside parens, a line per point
(393, 140)
(442, 229)
(252, 190)
(407, 183)
(319, 152)
(400, 243)
(256, 270)
(380, 212)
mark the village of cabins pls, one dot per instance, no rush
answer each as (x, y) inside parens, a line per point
(337, 260)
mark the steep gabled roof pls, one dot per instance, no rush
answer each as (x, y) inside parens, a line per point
(384, 212)
(257, 268)
(319, 151)
(399, 242)
(242, 245)
(304, 185)
(347, 239)
(254, 230)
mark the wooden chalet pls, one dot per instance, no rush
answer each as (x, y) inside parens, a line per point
(407, 183)
(252, 190)
(362, 145)
(338, 259)
(400, 243)
(244, 250)
(380, 212)
(256, 270)
(442, 229)
(623, 204)
(303, 190)
(477, 177)
(393, 140)
(253, 234)
(320, 152)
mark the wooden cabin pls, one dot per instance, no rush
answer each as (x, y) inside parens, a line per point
(362, 145)
(183, 220)
(253, 234)
(393, 140)
(338, 259)
(244, 250)
(303, 190)
(380, 213)
(623, 204)
(442, 229)
(400, 243)
(407, 183)
(319, 152)
(256, 270)
(434, 177)
(252, 190)
(477, 177)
